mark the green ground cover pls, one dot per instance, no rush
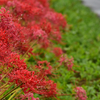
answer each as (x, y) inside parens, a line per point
(83, 43)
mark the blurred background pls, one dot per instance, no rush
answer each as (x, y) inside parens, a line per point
(93, 4)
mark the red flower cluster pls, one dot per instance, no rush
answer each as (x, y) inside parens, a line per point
(13, 34)
(67, 62)
(42, 23)
(80, 93)
(28, 95)
(57, 51)
(34, 82)
(11, 38)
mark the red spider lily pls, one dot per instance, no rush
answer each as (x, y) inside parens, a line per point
(67, 62)
(80, 93)
(33, 83)
(28, 95)
(29, 21)
(44, 68)
(15, 38)
(57, 51)
(38, 10)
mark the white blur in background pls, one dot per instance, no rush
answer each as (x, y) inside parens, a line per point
(94, 5)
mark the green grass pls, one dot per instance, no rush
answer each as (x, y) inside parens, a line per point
(83, 43)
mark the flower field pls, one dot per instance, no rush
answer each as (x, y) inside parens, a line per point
(49, 50)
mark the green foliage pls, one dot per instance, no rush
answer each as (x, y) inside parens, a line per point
(83, 43)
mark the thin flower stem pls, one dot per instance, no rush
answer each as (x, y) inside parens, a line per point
(6, 89)
(18, 94)
(29, 49)
(4, 85)
(10, 91)
(14, 93)
(5, 75)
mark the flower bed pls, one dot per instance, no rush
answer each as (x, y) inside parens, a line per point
(31, 58)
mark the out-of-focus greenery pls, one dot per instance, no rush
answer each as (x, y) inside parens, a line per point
(83, 43)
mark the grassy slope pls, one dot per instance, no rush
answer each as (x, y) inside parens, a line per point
(83, 43)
